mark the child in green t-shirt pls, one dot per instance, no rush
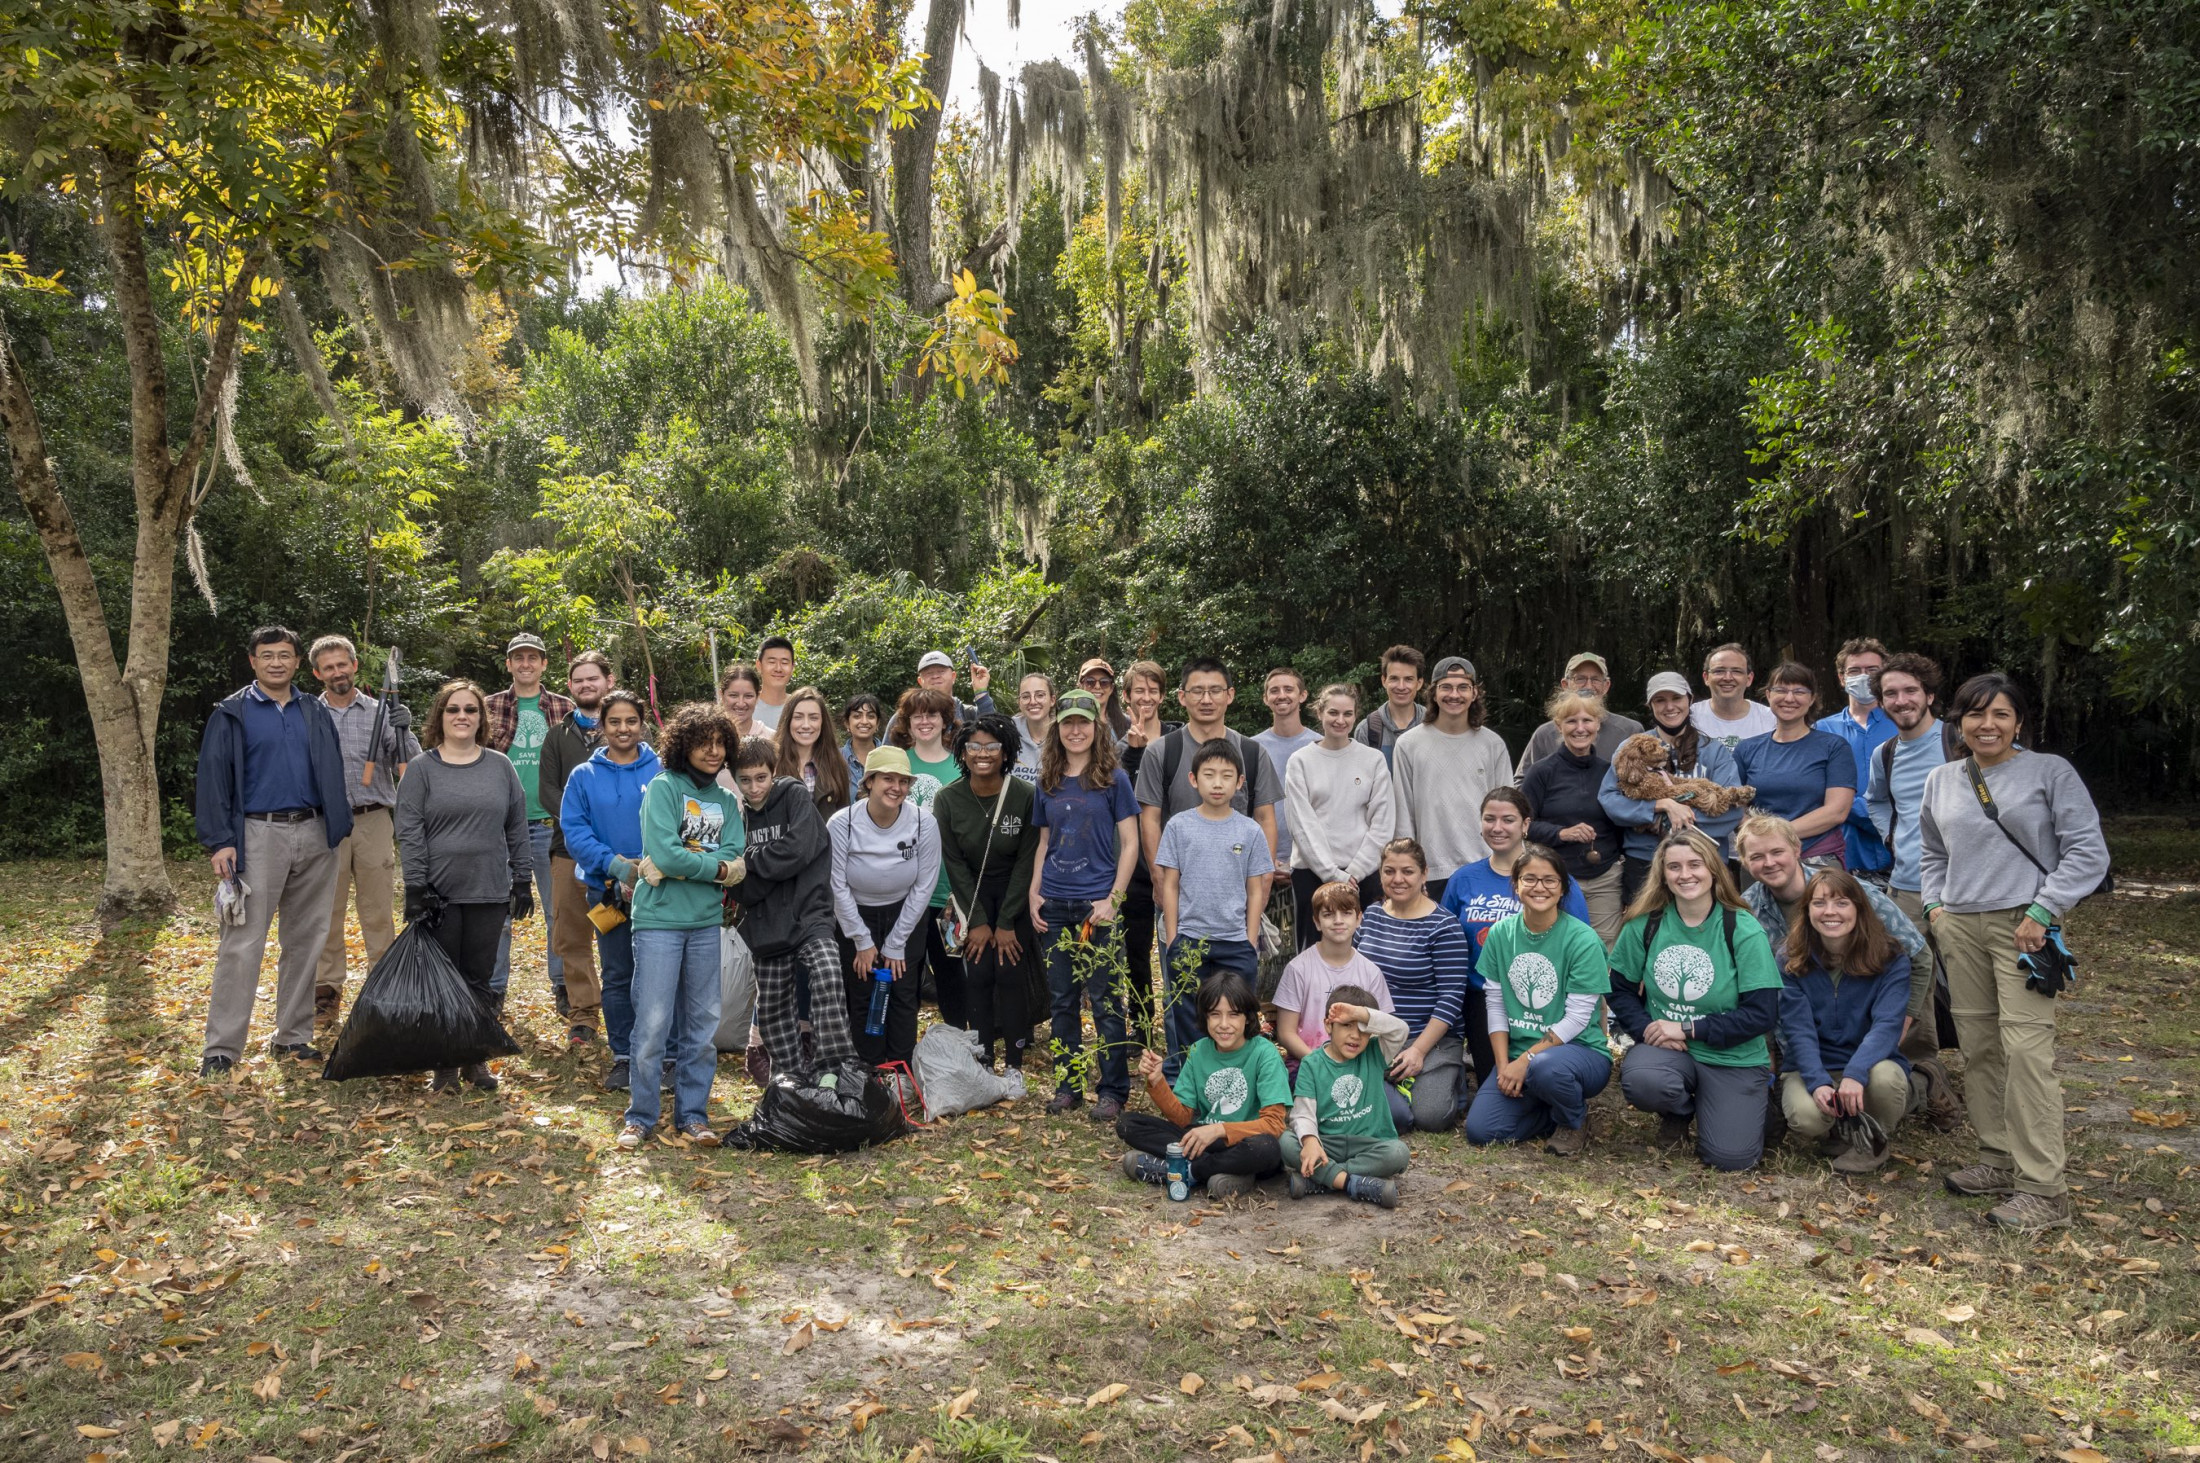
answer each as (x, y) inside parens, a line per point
(1227, 1107)
(1342, 1139)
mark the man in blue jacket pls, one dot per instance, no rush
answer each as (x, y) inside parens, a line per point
(600, 823)
(272, 807)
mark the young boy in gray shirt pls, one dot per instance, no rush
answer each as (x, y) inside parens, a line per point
(1211, 884)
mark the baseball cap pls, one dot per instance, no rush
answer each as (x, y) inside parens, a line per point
(1076, 704)
(1097, 663)
(1672, 681)
(1452, 663)
(1588, 657)
(887, 759)
(526, 641)
(933, 658)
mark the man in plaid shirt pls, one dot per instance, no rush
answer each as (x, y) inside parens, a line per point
(517, 722)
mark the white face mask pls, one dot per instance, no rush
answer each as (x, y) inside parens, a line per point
(1859, 687)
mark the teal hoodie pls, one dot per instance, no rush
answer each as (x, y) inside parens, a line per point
(688, 829)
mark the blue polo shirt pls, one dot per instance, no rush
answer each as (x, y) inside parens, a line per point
(1866, 851)
(278, 758)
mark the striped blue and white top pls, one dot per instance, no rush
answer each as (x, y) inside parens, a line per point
(1424, 961)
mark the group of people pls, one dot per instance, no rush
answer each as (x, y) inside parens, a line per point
(1479, 939)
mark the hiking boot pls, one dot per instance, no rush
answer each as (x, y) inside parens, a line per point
(1361, 1189)
(1672, 1131)
(327, 1006)
(1943, 1109)
(631, 1136)
(1980, 1179)
(1065, 1100)
(700, 1135)
(579, 1039)
(479, 1074)
(2030, 1213)
(1107, 1110)
(1298, 1185)
(616, 1077)
(1567, 1142)
(1230, 1185)
(758, 1064)
(445, 1080)
(1144, 1168)
(213, 1066)
(298, 1051)
(563, 1002)
(1858, 1158)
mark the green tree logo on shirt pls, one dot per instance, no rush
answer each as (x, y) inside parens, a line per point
(1533, 978)
(1226, 1090)
(1683, 972)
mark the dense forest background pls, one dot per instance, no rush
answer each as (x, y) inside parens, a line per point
(1777, 322)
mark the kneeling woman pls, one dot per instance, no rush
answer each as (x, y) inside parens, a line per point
(1841, 1015)
(1227, 1107)
(1546, 975)
(1694, 983)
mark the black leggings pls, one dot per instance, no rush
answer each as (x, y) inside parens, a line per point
(1252, 1156)
(1137, 918)
(470, 935)
(950, 989)
(900, 1041)
(1303, 884)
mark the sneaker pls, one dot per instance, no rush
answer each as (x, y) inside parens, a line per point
(445, 1080)
(2031, 1213)
(580, 1039)
(1230, 1185)
(1298, 1185)
(1980, 1179)
(700, 1135)
(1064, 1100)
(1858, 1158)
(1144, 1168)
(213, 1066)
(1672, 1131)
(1361, 1189)
(1943, 1109)
(616, 1076)
(1107, 1110)
(631, 1136)
(758, 1064)
(479, 1074)
(298, 1051)
(1566, 1142)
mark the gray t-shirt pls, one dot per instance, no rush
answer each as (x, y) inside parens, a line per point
(1280, 750)
(1263, 783)
(1213, 858)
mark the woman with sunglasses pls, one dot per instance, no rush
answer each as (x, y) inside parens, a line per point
(462, 840)
(1098, 677)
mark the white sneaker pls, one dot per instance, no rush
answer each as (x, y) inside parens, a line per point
(631, 1136)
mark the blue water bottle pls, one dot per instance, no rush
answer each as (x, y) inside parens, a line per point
(882, 995)
(1180, 1174)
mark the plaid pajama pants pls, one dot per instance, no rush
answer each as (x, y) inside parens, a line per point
(818, 961)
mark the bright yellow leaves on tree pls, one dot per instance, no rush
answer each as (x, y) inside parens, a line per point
(971, 343)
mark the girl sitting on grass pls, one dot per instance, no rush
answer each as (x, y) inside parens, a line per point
(1342, 1139)
(1227, 1107)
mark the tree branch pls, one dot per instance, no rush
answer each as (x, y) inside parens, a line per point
(220, 361)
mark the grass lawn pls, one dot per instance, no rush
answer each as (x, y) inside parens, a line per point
(273, 1267)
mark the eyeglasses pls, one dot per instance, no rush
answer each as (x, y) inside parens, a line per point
(1537, 881)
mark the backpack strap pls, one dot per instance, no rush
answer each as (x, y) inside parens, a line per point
(1731, 958)
(1172, 757)
(1886, 775)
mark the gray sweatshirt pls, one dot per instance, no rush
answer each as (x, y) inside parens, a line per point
(1969, 867)
(462, 830)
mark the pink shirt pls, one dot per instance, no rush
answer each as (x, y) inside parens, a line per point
(1308, 980)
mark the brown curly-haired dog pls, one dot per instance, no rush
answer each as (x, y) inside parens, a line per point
(1639, 767)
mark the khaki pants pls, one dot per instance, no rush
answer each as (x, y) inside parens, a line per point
(290, 869)
(2008, 1037)
(1887, 1097)
(1923, 1038)
(366, 861)
(573, 938)
(1601, 894)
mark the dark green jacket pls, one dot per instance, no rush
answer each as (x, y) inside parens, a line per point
(568, 745)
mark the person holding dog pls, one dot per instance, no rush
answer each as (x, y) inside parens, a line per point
(1689, 753)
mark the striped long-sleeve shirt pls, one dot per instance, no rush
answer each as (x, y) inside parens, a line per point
(1424, 961)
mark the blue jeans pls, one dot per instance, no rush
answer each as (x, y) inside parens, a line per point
(615, 959)
(538, 838)
(675, 990)
(1063, 916)
(1180, 1022)
(1555, 1094)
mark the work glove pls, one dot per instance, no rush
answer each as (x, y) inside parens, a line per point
(400, 719)
(523, 900)
(423, 905)
(649, 871)
(733, 872)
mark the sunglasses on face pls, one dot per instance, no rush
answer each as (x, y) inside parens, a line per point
(1096, 679)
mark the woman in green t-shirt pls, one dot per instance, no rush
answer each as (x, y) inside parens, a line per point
(1545, 975)
(1694, 983)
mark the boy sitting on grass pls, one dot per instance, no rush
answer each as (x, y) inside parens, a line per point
(1342, 1139)
(1227, 1107)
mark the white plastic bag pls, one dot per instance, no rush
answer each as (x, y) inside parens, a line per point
(736, 992)
(953, 1078)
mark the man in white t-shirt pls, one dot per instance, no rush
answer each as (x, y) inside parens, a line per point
(1728, 715)
(775, 670)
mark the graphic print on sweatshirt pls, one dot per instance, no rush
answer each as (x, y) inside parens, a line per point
(701, 825)
(1534, 980)
(1683, 973)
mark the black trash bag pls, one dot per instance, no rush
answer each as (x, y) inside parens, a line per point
(797, 1114)
(415, 1013)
